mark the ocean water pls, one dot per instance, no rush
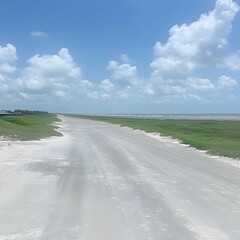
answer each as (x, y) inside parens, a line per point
(219, 117)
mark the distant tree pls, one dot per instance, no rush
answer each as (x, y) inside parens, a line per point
(26, 112)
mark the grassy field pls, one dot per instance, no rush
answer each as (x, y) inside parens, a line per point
(217, 137)
(29, 127)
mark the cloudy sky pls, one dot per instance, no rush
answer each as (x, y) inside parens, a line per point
(126, 56)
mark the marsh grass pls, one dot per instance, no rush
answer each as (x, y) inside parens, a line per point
(29, 127)
(217, 137)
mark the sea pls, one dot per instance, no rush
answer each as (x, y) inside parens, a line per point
(218, 117)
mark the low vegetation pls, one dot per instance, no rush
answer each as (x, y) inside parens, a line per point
(29, 127)
(217, 137)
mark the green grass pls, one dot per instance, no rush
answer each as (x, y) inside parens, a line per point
(29, 127)
(217, 137)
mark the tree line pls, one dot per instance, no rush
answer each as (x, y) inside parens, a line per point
(25, 112)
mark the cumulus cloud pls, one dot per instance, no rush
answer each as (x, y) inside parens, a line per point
(121, 71)
(8, 53)
(7, 68)
(54, 76)
(170, 67)
(50, 70)
(38, 34)
(226, 82)
(202, 43)
(124, 74)
(46, 78)
(8, 56)
(106, 85)
(60, 66)
(3, 85)
(124, 83)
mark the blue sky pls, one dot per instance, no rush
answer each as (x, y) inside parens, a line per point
(128, 56)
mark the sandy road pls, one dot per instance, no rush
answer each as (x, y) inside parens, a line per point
(103, 182)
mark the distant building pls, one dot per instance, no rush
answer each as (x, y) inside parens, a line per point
(3, 113)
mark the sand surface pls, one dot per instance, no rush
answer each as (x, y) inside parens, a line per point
(104, 182)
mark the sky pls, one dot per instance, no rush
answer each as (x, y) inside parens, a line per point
(125, 56)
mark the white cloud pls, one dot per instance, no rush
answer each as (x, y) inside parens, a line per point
(148, 91)
(173, 89)
(60, 66)
(8, 56)
(202, 43)
(46, 78)
(125, 58)
(53, 77)
(125, 74)
(38, 34)
(124, 83)
(226, 82)
(7, 68)
(50, 70)
(82, 87)
(105, 90)
(98, 94)
(201, 84)
(104, 96)
(169, 67)
(3, 85)
(122, 71)
(86, 84)
(106, 85)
